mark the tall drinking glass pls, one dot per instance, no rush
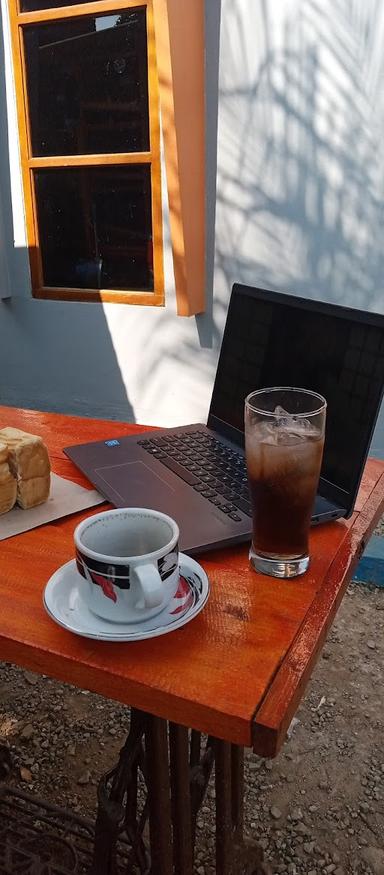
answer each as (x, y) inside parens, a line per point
(284, 440)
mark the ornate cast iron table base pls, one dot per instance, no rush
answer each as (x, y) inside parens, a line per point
(174, 768)
(41, 839)
(147, 812)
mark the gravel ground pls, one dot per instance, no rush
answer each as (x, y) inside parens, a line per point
(317, 808)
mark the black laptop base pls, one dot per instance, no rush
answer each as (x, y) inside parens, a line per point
(191, 473)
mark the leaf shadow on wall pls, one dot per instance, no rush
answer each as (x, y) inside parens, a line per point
(300, 172)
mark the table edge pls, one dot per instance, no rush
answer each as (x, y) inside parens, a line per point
(273, 716)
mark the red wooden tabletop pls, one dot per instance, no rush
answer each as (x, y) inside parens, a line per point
(239, 669)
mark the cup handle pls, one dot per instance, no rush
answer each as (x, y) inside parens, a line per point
(150, 584)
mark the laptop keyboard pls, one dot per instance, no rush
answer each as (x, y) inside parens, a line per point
(218, 473)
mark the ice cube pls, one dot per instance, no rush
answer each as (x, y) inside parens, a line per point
(283, 418)
(307, 434)
(267, 432)
(279, 411)
(304, 429)
(291, 427)
(284, 426)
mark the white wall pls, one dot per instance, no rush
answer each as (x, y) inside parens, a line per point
(301, 182)
(299, 208)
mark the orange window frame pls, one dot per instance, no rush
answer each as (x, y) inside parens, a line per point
(180, 44)
(20, 20)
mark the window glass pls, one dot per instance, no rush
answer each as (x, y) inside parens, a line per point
(88, 85)
(95, 227)
(33, 5)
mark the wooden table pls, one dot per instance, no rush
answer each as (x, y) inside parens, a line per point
(237, 672)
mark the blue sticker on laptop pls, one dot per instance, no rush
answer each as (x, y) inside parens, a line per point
(112, 443)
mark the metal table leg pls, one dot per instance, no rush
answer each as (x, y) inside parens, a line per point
(118, 811)
(174, 768)
(181, 800)
(159, 796)
(234, 855)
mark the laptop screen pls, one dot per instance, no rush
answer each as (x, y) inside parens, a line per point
(272, 339)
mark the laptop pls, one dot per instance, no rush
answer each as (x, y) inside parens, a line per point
(196, 473)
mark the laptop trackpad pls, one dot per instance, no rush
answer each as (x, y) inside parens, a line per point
(133, 483)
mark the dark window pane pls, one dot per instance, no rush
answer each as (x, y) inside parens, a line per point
(95, 227)
(32, 5)
(88, 85)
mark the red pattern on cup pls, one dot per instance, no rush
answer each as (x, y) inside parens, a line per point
(105, 584)
(185, 593)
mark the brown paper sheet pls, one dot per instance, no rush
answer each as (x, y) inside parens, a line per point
(65, 498)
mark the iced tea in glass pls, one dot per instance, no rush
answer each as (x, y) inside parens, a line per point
(284, 441)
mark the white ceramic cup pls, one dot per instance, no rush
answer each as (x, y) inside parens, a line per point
(129, 559)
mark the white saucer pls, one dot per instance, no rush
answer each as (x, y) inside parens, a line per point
(64, 603)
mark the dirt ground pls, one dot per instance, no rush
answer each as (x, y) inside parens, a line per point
(319, 807)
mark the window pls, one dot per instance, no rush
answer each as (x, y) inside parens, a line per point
(86, 84)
